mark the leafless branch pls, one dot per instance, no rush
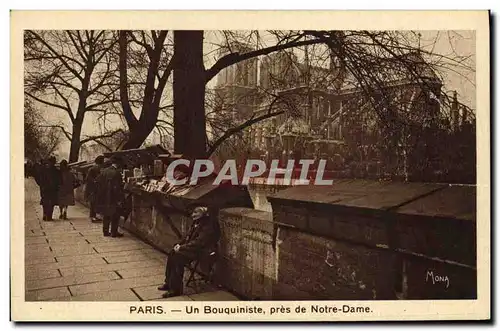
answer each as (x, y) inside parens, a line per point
(60, 127)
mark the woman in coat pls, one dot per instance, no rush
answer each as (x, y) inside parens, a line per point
(66, 189)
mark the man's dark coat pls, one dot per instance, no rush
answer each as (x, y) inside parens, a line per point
(203, 235)
(49, 180)
(109, 193)
(90, 182)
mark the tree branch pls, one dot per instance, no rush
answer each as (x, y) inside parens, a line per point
(103, 145)
(166, 107)
(166, 123)
(68, 109)
(105, 135)
(240, 127)
(100, 103)
(105, 51)
(234, 58)
(102, 81)
(162, 83)
(151, 95)
(73, 41)
(66, 133)
(65, 83)
(127, 109)
(143, 43)
(45, 102)
(82, 44)
(59, 56)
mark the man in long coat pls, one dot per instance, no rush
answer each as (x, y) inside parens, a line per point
(48, 178)
(202, 236)
(91, 186)
(110, 197)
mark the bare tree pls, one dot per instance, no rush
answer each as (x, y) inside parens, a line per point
(145, 57)
(71, 71)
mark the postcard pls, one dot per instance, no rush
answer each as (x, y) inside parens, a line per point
(250, 166)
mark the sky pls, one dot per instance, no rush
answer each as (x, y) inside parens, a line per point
(440, 42)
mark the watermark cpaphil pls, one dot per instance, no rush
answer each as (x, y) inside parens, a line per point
(296, 172)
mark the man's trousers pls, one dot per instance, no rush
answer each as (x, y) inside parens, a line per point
(174, 271)
(112, 221)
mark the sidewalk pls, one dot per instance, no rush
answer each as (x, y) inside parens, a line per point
(72, 261)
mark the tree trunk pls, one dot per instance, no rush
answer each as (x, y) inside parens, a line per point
(189, 95)
(74, 152)
(140, 131)
(133, 141)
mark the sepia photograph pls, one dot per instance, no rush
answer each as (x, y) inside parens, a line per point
(333, 167)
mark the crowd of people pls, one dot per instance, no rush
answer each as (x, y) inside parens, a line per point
(103, 190)
(56, 185)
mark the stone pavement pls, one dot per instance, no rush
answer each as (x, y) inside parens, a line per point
(70, 260)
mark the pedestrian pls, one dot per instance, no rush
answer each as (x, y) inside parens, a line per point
(110, 197)
(37, 168)
(91, 187)
(28, 169)
(48, 179)
(202, 236)
(66, 196)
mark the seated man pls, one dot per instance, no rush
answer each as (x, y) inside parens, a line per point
(202, 236)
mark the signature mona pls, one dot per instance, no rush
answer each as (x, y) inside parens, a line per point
(437, 279)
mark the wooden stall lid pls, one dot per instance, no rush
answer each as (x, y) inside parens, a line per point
(183, 196)
(170, 156)
(78, 163)
(378, 195)
(139, 156)
(453, 201)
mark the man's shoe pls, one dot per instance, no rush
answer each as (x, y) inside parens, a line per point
(117, 235)
(164, 287)
(170, 294)
(94, 220)
(107, 234)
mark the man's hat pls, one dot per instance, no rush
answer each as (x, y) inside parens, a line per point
(52, 160)
(116, 160)
(99, 159)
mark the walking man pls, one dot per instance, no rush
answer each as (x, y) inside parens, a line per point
(91, 186)
(110, 197)
(203, 235)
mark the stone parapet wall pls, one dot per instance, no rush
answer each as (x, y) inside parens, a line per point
(247, 263)
(369, 240)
